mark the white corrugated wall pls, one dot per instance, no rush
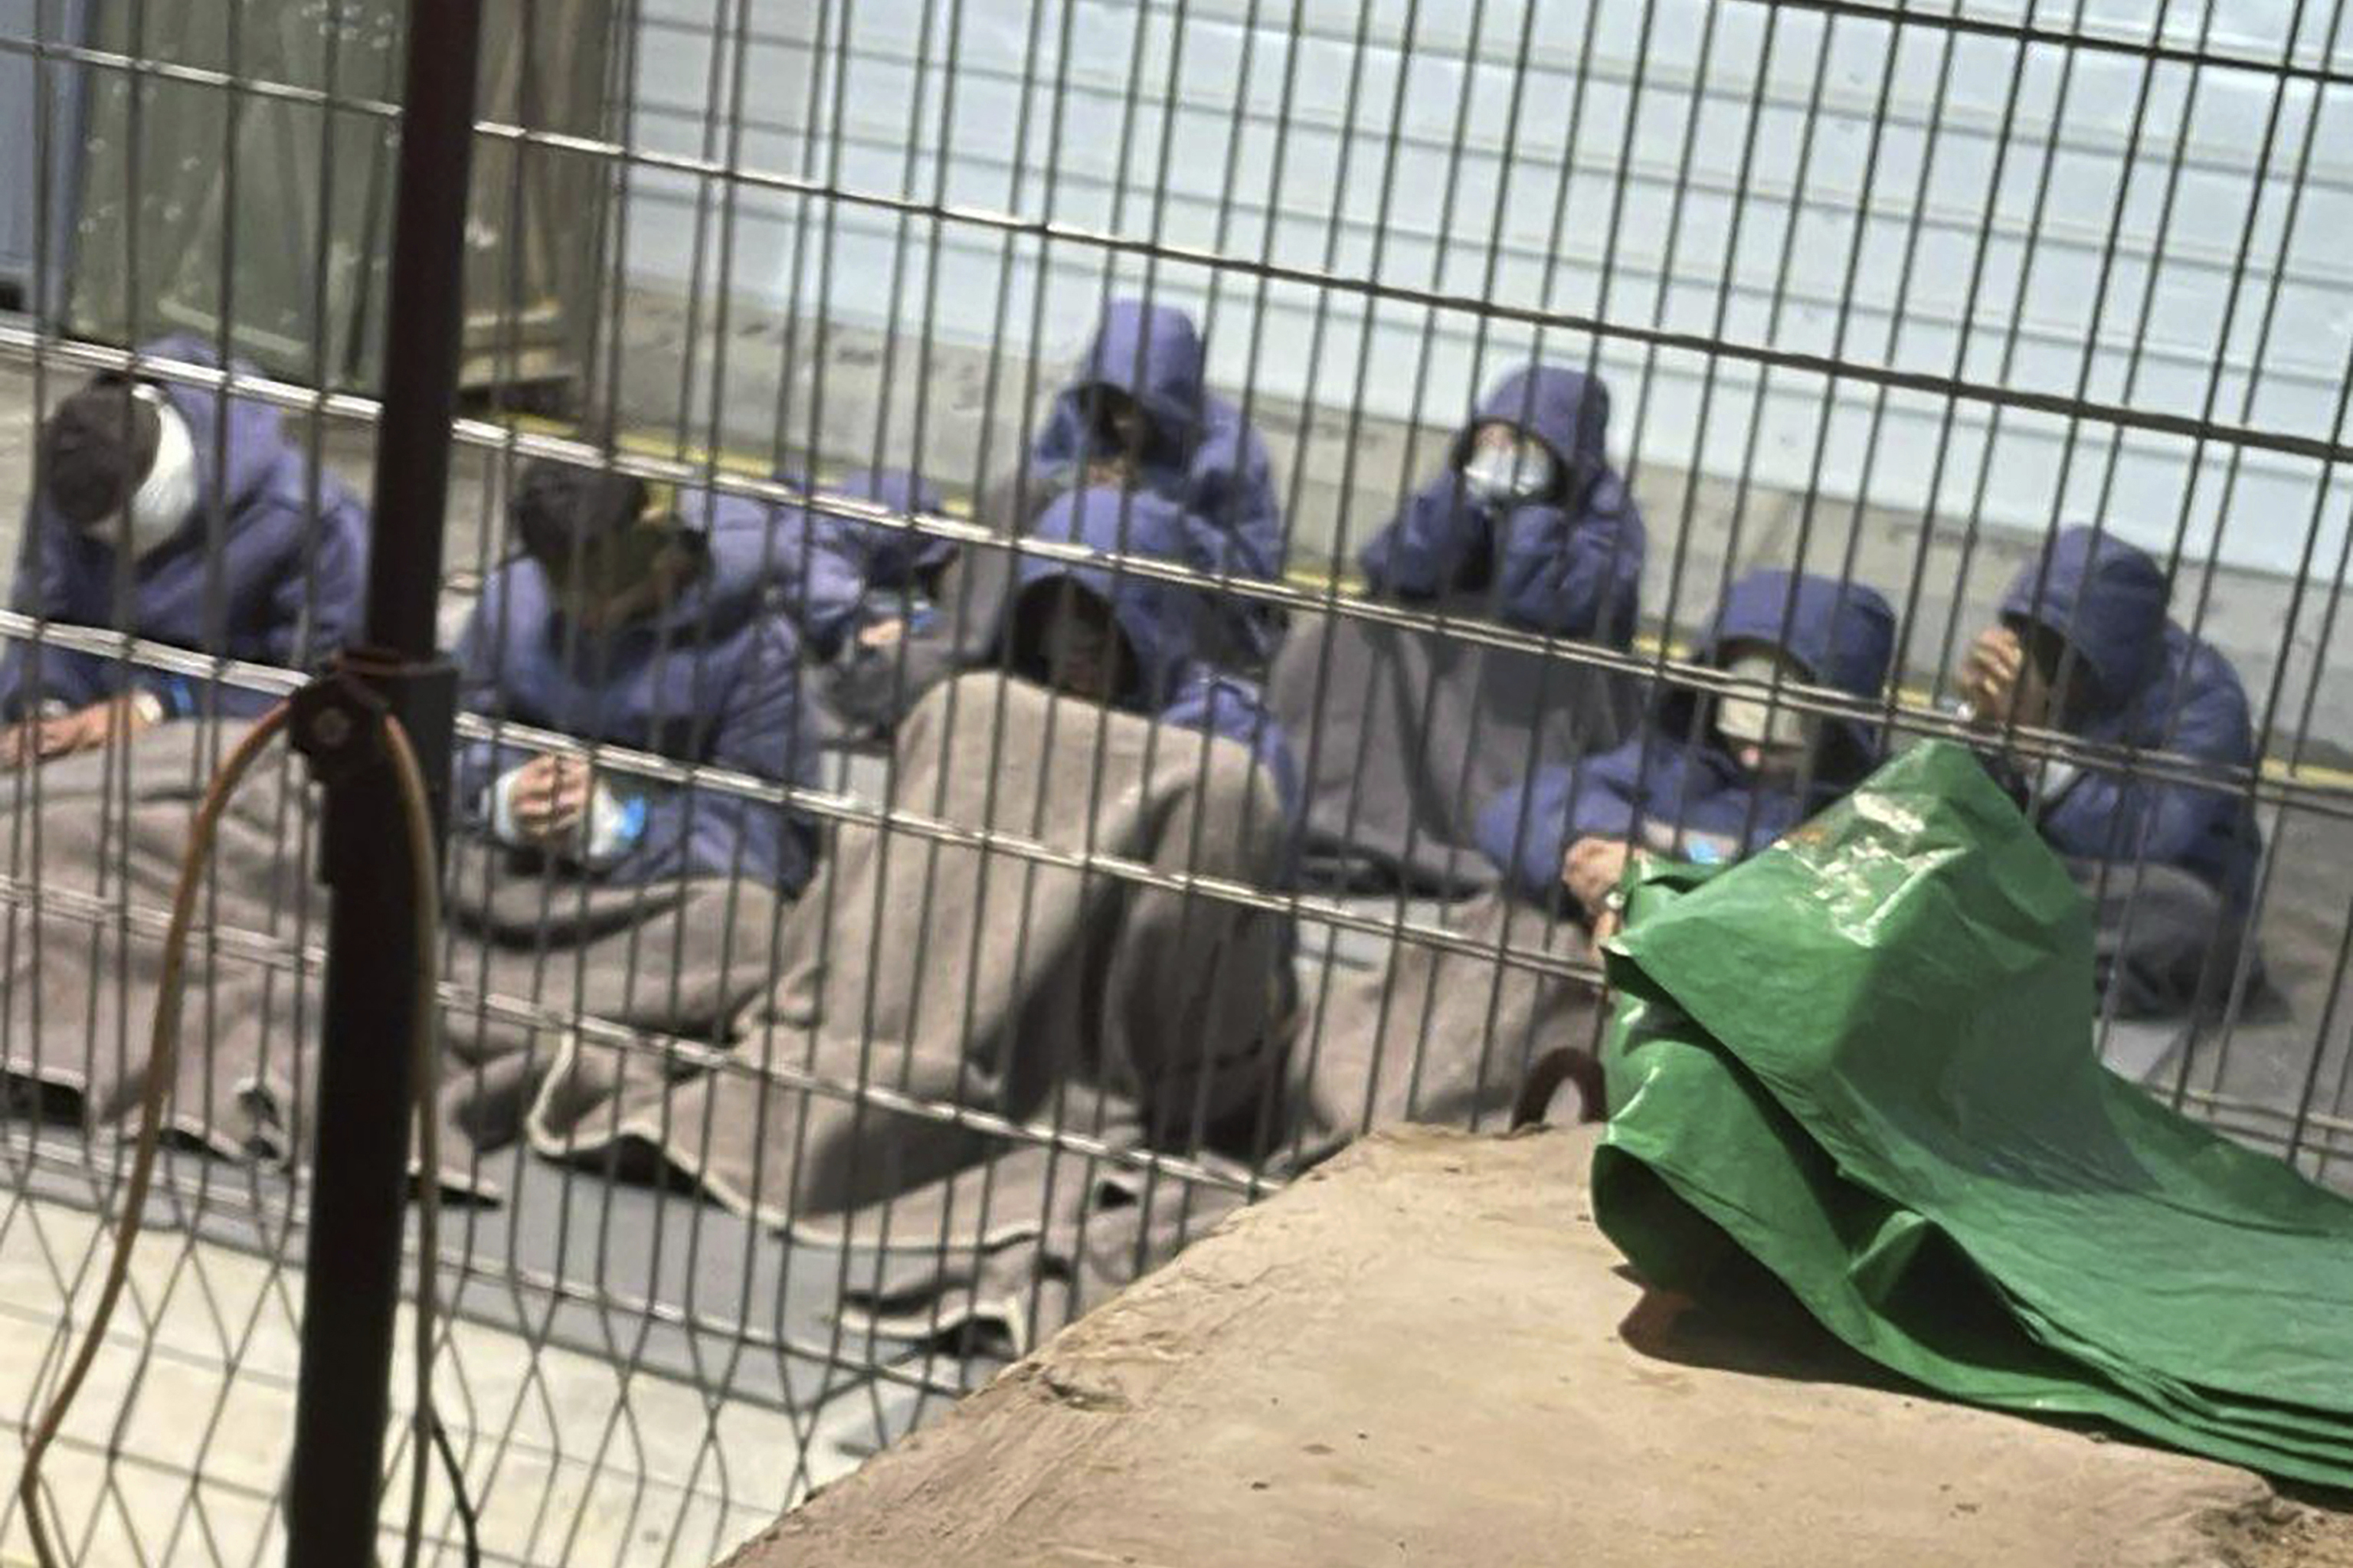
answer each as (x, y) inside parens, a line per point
(2166, 237)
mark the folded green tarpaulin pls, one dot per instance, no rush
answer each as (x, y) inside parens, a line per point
(1865, 1057)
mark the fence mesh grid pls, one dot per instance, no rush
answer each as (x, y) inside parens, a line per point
(1001, 827)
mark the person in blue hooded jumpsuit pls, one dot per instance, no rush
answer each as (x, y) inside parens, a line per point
(864, 669)
(1138, 415)
(1708, 777)
(851, 585)
(898, 569)
(168, 512)
(1130, 642)
(651, 621)
(2083, 644)
(1403, 732)
(1527, 518)
(963, 971)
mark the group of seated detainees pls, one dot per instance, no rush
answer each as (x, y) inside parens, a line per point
(693, 624)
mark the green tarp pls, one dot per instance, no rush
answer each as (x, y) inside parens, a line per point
(1864, 1058)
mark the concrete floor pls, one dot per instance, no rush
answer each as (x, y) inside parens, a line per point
(177, 1447)
(591, 1429)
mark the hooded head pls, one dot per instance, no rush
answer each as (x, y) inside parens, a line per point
(613, 551)
(118, 464)
(2103, 599)
(185, 449)
(239, 443)
(1146, 356)
(1566, 409)
(97, 448)
(1833, 634)
(1154, 621)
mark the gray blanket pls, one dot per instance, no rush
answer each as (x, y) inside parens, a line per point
(999, 1258)
(535, 957)
(528, 950)
(1439, 1037)
(929, 992)
(1402, 736)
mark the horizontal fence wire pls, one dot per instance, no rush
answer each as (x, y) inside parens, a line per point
(1019, 826)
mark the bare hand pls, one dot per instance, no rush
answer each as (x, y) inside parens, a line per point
(1591, 871)
(86, 729)
(882, 634)
(551, 799)
(1112, 473)
(1999, 685)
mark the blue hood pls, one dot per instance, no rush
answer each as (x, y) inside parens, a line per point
(256, 439)
(1566, 409)
(751, 559)
(1841, 634)
(1566, 560)
(2107, 599)
(1159, 619)
(2158, 687)
(284, 585)
(1152, 353)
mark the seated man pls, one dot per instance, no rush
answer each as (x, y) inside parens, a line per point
(1527, 517)
(1405, 733)
(1707, 778)
(1138, 415)
(166, 514)
(652, 623)
(2083, 645)
(963, 972)
(583, 894)
(1127, 641)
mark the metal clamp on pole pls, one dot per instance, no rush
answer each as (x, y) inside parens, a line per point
(338, 725)
(337, 721)
(351, 1290)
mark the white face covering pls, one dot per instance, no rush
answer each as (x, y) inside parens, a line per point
(168, 495)
(1752, 721)
(1509, 473)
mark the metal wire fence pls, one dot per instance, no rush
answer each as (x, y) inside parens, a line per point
(924, 955)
